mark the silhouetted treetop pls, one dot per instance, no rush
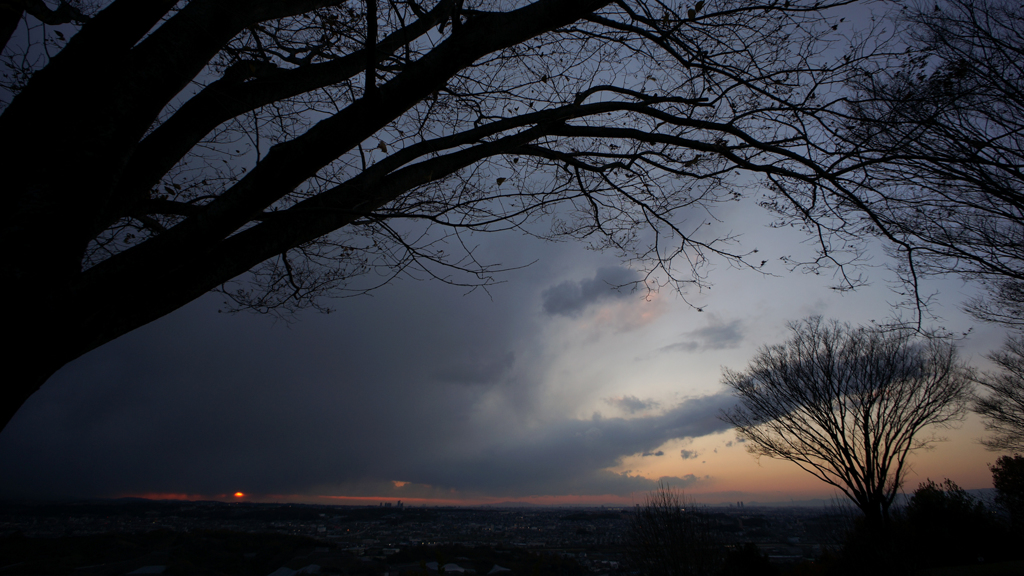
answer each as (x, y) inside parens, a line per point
(849, 405)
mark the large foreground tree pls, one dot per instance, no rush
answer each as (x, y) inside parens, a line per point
(848, 405)
(277, 149)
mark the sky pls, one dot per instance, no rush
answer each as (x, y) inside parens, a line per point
(551, 388)
(548, 388)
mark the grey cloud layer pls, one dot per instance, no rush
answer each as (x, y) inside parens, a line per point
(570, 298)
(632, 404)
(717, 335)
(569, 456)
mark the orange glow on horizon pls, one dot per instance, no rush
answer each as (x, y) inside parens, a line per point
(471, 501)
(561, 500)
(731, 475)
(167, 496)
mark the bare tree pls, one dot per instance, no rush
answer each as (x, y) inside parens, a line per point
(929, 154)
(276, 150)
(848, 405)
(670, 535)
(1003, 406)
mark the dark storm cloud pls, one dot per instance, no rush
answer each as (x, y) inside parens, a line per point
(317, 408)
(570, 456)
(717, 335)
(470, 368)
(570, 298)
(206, 404)
(632, 404)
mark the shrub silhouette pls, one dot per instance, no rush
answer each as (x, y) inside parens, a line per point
(943, 525)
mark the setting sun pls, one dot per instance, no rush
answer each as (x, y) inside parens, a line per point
(239, 494)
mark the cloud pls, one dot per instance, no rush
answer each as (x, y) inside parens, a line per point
(573, 455)
(473, 368)
(737, 441)
(717, 335)
(570, 298)
(680, 347)
(632, 404)
(597, 483)
(720, 335)
(272, 428)
(351, 403)
(649, 453)
(689, 454)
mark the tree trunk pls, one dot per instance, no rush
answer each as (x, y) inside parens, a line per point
(40, 346)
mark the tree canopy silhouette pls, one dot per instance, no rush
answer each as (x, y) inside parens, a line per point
(1008, 480)
(1002, 406)
(848, 405)
(931, 156)
(275, 150)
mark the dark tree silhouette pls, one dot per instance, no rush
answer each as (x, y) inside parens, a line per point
(1008, 480)
(669, 535)
(277, 149)
(944, 525)
(747, 560)
(848, 405)
(1002, 407)
(931, 154)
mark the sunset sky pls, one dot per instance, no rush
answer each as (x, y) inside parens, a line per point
(547, 388)
(550, 389)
